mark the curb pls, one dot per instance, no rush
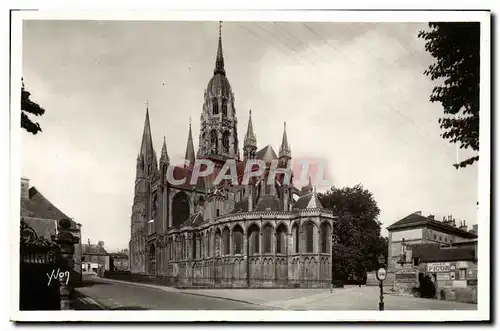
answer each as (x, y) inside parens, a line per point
(89, 301)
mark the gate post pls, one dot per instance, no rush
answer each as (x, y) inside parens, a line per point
(66, 242)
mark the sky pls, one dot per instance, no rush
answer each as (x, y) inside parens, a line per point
(352, 94)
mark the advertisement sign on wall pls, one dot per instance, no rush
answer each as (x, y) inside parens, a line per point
(438, 267)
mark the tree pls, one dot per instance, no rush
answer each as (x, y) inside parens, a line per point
(455, 46)
(29, 107)
(357, 241)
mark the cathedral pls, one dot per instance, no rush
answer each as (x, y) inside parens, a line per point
(264, 233)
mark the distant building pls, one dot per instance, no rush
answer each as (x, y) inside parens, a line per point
(418, 229)
(119, 261)
(438, 258)
(95, 258)
(43, 217)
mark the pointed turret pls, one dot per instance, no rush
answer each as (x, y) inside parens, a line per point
(285, 147)
(147, 140)
(164, 159)
(250, 143)
(190, 156)
(219, 61)
(285, 153)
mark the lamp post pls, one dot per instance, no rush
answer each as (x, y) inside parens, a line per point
(381, 276)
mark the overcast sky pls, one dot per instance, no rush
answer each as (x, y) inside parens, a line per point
(351, 94)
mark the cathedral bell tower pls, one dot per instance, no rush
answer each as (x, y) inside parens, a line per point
(218, 129)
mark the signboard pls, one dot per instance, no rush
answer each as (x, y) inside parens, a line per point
(407, 276)
(381, 274)
(442, 276)
(438, 267)
(471, 282)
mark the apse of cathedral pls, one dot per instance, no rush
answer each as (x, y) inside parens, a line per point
(225, 235)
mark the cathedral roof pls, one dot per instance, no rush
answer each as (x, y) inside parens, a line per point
(268, 203)
(240, 207)
(266, 154)
(307, 201)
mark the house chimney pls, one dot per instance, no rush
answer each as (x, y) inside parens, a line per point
(25, 188)
(474, 229)
(418, 213)
(463, 226)
(88, 241)
(431, 217)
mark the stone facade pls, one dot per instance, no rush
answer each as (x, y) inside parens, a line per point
(263, 234)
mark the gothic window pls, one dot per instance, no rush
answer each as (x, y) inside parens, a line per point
(325, 238)
(213, 141)
(194, 248)
(209, 239)
(225, 141)
(268, 237)
(238, 240)
(149, 169)
(152, 254)
(218, 243)
(215, 107)
(180, 208)
(267, 189)
(309, 237)
(281, 239)
(295, 233)
(225, 240)
(224, 107)
(155, 206)
(253, 239)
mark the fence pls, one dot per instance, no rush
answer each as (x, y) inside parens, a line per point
(45, 268)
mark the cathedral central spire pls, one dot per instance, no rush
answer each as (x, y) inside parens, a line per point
(219, 61)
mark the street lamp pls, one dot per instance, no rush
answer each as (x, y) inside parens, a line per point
(381, 276)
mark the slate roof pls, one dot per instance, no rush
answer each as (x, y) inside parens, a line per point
(39, 207)
(240, 207)
(268, 203)
(266, 154)
(45, 228)
(90, 249)
(435, 253)
(310, 200)
(417, 220)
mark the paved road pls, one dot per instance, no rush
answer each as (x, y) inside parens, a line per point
(122, 295)
(119, 296)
